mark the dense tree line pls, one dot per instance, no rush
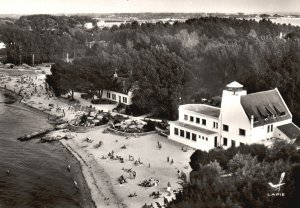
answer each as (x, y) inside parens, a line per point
(216, 51)
(46, 37)
(156, 76)
(240, 177)
(210, 51)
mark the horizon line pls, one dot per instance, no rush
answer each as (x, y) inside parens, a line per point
(217, 12)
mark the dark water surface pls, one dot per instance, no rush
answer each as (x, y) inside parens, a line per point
(38, 175)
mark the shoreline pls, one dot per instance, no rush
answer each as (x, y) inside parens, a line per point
(18, 100)
(100, 198)
(70, 156)
(101, 171)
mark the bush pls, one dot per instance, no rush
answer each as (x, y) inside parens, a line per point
(118, 119)
(120, 107)
(199, 158)
(86, 95)
(150, 126)
(134, 110)
(162, 125)
(105, 119)
(83, 119)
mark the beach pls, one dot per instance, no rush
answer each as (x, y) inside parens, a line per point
(101, 172)
(38, 175)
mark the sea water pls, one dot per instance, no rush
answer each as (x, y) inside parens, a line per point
(37, 171)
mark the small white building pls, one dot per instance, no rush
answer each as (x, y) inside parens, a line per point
(123, 95)
(88, 25)
(2, 45)
(242, 119)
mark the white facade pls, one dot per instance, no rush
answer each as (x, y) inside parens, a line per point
(2, 45)
(233, 115)
(118, 97)
(242, 119)
(196, 128)
(88, 25)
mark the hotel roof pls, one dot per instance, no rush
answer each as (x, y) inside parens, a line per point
(290, 130)
(202, 109)
(195, 128)
(266, 107)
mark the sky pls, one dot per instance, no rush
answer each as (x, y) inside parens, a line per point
(131, 6)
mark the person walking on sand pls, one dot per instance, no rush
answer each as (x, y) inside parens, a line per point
(179, 173)
(134, 174)
(169, 188)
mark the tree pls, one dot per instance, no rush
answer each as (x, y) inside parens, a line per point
(65, 78)
(159, 81)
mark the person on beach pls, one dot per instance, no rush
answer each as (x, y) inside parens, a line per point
(76, 184)
(179, 174)
(166, 200)
(169, 188)
(69, 168)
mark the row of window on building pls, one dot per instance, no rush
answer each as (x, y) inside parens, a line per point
(114, 97)
(233, 144)
(188, 135)
(242, 132)
(197, 120)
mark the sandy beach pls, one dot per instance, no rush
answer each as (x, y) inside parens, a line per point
(100, 171)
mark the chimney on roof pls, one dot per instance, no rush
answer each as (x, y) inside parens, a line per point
(252, 121)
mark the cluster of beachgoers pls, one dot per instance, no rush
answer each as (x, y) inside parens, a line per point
(121, 169)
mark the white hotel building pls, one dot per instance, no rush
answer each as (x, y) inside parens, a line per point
(242, 119)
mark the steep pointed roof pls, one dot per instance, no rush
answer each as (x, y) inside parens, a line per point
(266, 107)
